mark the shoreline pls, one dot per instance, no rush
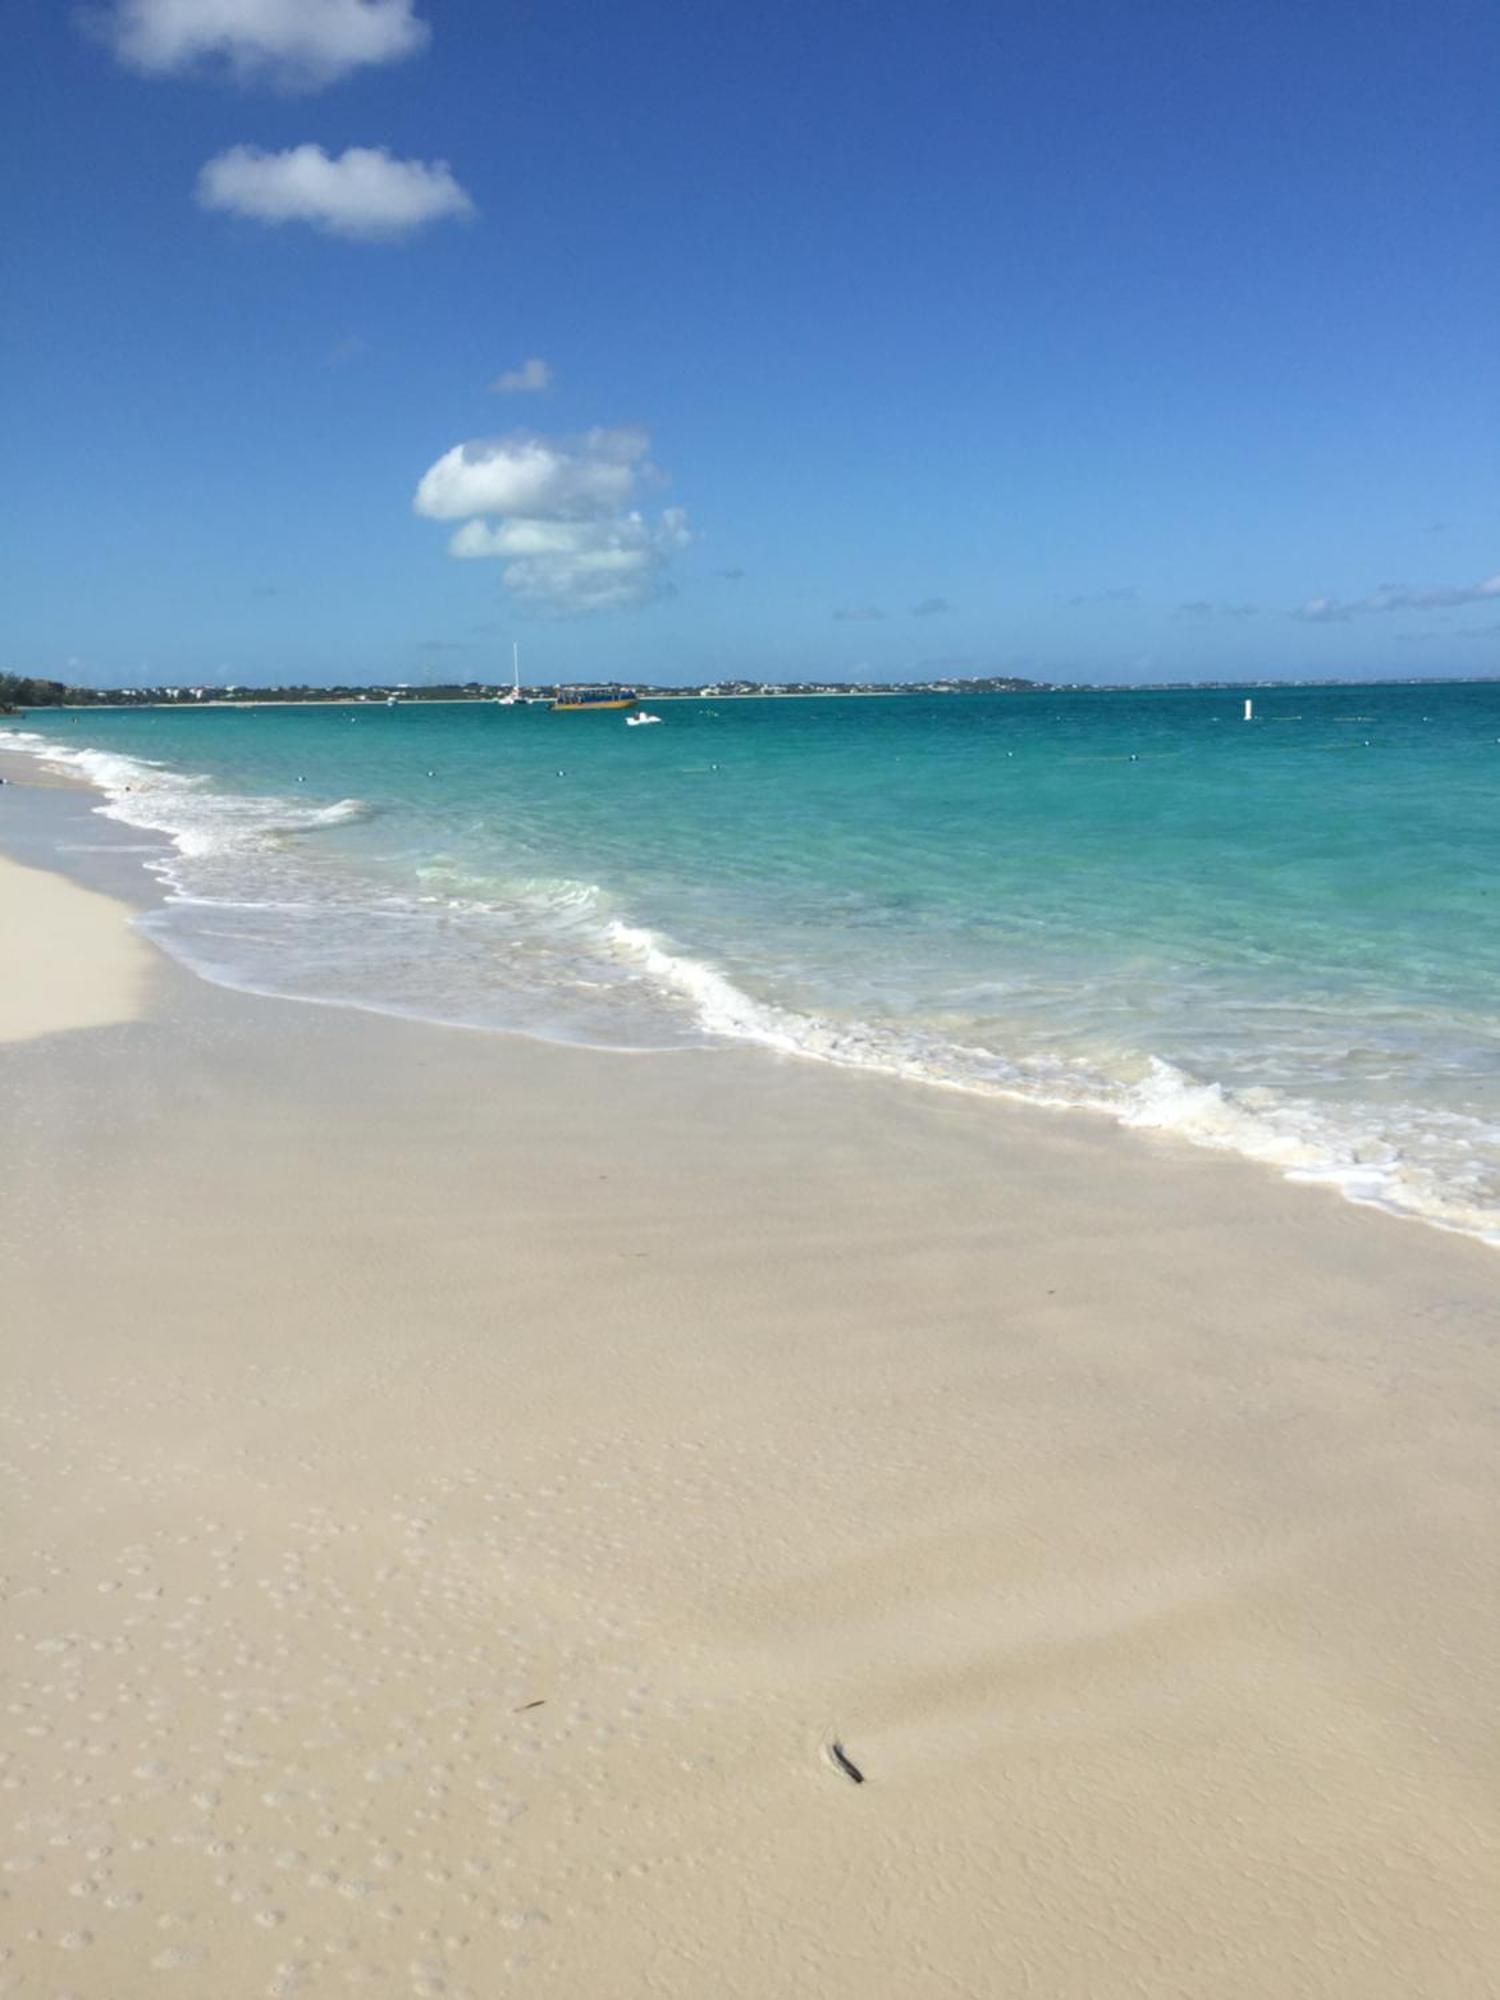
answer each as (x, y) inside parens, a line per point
(466, 1487)
(1349, 1181)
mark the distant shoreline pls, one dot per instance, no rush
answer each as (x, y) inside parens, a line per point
(493, 701)
(387, 695)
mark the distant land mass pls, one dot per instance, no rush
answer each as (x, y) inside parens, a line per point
(19, 692)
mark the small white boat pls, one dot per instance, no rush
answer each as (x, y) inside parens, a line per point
(639, 721)
(513, 693)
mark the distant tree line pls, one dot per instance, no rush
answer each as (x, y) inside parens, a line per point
(21, 691)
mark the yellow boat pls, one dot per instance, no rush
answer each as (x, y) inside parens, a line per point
(570, 701)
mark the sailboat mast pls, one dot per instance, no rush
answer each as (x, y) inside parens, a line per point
(515, 657)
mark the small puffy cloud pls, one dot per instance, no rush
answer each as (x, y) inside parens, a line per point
(731, 575)
(363, 193)
(1126, 595)
(1203, 607)
(537, 477)
(529, 379)
(1399, 597)
(859, 614)
(561, 514)
(294, 44)
(931, 607)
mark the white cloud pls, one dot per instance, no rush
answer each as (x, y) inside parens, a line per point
(362, 193)
(580, 565)
(295, 44)
(530, 378)
(1399, 597)
(549, 478)
(561, 514)
(859, 614)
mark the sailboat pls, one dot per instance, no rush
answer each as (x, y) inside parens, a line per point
(513, 693)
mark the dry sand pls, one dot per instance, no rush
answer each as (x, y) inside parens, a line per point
(460, 1489)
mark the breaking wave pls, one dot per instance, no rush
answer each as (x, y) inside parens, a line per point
(255, 900)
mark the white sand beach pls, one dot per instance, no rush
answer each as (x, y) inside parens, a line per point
(70, 958)
(460, 1489)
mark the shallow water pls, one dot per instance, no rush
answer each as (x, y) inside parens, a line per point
(1278, 938)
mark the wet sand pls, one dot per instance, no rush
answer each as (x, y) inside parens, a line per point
(68, 958)
(460, 1489)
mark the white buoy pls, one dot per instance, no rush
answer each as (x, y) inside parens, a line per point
(1249, 711)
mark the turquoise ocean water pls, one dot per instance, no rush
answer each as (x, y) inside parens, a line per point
(1280, 938)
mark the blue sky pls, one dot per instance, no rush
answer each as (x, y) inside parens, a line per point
(1146, 344)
